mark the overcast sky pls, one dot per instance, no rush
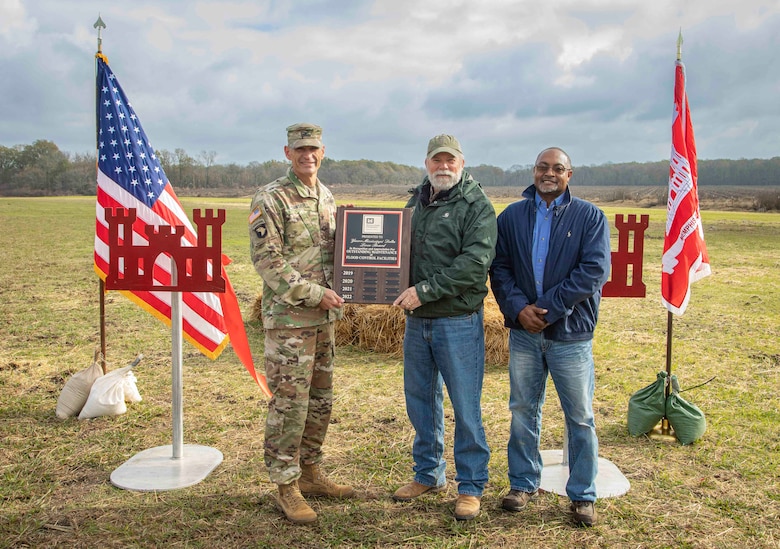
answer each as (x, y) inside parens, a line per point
(507, 77)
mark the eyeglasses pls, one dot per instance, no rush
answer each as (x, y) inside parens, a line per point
(558, 168)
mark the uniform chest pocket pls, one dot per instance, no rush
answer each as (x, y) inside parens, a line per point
(301, 227)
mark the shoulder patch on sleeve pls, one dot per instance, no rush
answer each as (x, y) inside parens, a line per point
(257, 223)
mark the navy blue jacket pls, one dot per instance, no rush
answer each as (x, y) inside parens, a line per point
(577, 266)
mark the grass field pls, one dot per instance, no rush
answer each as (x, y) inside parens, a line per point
(721, 492)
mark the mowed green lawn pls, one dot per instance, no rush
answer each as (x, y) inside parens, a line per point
(722, 491)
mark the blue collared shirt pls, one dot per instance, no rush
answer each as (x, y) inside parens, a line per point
(542, 225)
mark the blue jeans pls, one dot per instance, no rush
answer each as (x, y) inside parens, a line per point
(570, 364)
(446, 351)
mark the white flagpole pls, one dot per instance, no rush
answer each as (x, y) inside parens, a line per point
(176, 368)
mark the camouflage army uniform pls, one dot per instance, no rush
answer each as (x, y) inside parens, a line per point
(292, 231)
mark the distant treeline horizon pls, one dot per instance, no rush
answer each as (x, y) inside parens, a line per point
(42, 169)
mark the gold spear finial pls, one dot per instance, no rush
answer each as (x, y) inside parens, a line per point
(99, 25)
(679, 45)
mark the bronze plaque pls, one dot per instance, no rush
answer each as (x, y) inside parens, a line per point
(372, 253)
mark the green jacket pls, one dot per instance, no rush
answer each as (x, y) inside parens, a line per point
(453, 244)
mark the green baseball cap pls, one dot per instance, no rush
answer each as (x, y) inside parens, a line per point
(304, 135)
(444, 143)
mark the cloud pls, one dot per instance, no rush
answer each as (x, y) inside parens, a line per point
(16, 27)
(508, 77)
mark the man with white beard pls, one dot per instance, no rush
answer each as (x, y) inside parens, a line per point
(453, 244)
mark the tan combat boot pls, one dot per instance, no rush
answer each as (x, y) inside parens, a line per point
(291, 503)
(314, 482)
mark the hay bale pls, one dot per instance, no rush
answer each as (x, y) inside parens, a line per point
(380, 328)
(256, 314)
(496, 334)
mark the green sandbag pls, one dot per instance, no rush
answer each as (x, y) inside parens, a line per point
(687, 419)
(646, 406)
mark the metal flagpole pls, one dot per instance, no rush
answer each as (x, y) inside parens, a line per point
(177, 465)
(102, 290)
(664, 430)
(100, 25)
(176, 368)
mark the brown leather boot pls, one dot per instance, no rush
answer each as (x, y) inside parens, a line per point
(413, 490)
(291, 503)
(466, 507)
(314, 482)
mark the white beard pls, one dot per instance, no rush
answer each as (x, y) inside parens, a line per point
(443, 180)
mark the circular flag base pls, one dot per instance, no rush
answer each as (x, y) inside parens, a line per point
(663, 432)
(610, 482)
(156, 469)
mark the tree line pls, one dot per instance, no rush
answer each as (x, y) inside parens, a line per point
(42, 169)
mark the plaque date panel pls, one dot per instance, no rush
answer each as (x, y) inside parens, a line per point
(372, 253)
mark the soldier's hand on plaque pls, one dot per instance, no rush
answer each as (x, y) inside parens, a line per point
(408, 299)
(331, 300)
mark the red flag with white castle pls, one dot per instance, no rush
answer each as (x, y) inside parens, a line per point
(685, 255)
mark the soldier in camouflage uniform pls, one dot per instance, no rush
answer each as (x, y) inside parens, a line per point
(292, 232)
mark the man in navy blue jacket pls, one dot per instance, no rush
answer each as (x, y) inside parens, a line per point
(552, 258)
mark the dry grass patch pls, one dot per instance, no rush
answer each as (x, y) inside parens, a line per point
(380, 329)
(721, 492)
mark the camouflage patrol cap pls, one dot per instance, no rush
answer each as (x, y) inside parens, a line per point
(304, 135)
(444, 143)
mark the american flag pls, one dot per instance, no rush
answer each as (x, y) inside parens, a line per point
(685, 257)
(129, 175)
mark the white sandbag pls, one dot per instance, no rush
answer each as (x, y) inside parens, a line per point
(107, 396)
(76, 391)
(131, 389)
